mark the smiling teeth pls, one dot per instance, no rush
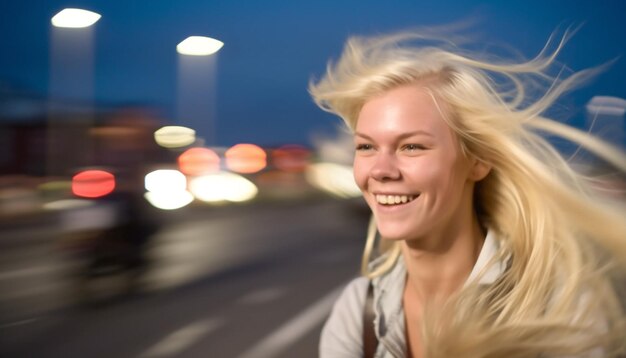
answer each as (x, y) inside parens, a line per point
(394, 199)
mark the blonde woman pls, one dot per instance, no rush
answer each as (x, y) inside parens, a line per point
(491, 245)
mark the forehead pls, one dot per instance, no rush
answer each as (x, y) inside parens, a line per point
(400, 110)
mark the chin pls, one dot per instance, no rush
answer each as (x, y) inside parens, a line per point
(394, 238)
(395, 234)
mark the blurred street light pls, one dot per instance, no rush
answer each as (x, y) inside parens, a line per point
(165, 180)
(199, 46)
(167, 189)
(223, 187)
(197, 72)
(174, 136)
(93, 183)
(333, 178)
(71, 82)
(291, 158)
(75, 18)
(246, 158)
(198, 161)
(605, 119)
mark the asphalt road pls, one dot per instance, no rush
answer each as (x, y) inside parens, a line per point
(251, 281)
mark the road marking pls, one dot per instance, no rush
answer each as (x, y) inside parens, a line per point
(21, 273)
(262, 296)
(182, 339)
(292, 330)
(18, 323)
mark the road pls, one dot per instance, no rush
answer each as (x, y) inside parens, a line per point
(249, 281)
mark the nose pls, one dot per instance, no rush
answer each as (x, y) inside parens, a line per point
(385, 168)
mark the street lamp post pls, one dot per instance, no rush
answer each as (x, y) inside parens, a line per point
(71, 80)
(197, 69)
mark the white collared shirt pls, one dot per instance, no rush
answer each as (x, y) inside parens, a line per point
(342, 334)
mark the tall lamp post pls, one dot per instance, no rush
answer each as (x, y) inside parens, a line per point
(605, 118)
(71, 80)
(197, 68)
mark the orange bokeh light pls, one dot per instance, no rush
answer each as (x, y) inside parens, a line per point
(291, 158)
(198, 161)
(93, 183)
(246, 158)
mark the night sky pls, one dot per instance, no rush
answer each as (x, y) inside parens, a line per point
(273, 48)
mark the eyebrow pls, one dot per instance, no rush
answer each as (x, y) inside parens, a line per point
(401, 136)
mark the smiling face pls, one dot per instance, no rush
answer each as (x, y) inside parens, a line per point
(410, 167)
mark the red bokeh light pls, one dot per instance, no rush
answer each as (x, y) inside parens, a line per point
(291, 158)
(198, 161)
(93, 183)
(246, 158)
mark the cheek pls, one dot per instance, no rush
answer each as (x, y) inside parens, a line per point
(423, 171)
(360, 170)
(435, 174)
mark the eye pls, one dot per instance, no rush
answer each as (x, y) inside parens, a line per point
(413, 147)
(364, 147)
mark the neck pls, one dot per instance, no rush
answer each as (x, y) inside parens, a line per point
(439, 265)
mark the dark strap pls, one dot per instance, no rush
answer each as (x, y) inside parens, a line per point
(370, 341)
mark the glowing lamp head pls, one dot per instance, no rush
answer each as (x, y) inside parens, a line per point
(199, 46)
(75, 18)
(93, 183)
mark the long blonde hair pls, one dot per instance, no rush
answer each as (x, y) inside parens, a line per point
(560, 240)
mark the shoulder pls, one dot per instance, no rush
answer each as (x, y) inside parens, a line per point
(342, 335)
(353, 294)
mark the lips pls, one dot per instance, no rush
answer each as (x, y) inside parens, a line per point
(391, 199)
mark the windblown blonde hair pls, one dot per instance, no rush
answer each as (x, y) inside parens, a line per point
(560, 240)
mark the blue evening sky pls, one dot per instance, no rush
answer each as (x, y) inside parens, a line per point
(273, 48)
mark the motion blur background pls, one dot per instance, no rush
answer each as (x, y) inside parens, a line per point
(158, 204)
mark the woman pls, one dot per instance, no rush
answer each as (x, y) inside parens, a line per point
(492, 245)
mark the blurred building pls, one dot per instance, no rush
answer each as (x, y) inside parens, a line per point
(39, 137)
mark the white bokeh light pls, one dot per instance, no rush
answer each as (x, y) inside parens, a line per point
(335, 179)
(199, 46)
(223, 186)
(174, 136)
(75, 18)
(169, 200)
(167, 189)
(165, 180)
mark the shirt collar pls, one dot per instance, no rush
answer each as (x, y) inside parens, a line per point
(483, 271)
(487, 253)
(388, 289)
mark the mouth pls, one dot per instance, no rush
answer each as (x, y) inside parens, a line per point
(391, 200)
